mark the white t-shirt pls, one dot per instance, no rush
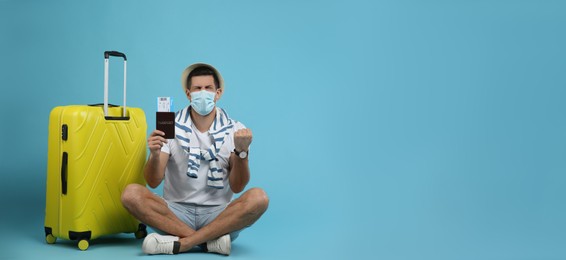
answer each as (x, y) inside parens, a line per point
(179, 187)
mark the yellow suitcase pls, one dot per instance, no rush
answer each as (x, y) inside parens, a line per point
(92, 156)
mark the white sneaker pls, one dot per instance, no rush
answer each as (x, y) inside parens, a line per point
(221, 245)
(159, 244)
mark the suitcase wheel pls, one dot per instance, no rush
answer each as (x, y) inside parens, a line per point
(142, 232)
(50, 239)
(83, 245)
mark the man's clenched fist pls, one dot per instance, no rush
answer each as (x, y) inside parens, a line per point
(242, 139)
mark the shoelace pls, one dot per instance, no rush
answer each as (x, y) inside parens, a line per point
(215, 246)
(165, 247)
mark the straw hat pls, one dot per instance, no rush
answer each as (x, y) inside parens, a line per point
(190, 68)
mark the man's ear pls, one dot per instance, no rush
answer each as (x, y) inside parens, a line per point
(219, 93)
(188, 93)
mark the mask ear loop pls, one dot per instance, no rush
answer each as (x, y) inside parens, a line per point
(188, 93)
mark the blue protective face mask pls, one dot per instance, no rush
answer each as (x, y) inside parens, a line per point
(202, 102)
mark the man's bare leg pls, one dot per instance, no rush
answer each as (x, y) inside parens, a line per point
(240, 213)
(153, 211)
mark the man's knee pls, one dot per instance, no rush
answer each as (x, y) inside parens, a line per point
(132, 195)
(256, 201)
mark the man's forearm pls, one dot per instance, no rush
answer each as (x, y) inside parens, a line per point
(151, 171)
(239, 174)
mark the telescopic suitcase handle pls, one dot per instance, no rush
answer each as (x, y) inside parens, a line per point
(107, 55)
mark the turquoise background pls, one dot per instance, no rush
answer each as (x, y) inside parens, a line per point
(382, 129)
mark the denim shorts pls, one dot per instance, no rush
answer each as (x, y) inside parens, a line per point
(197, 216)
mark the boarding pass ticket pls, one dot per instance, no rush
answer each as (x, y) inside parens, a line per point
(164, 104)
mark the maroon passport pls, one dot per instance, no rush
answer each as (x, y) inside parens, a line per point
(165, 121)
